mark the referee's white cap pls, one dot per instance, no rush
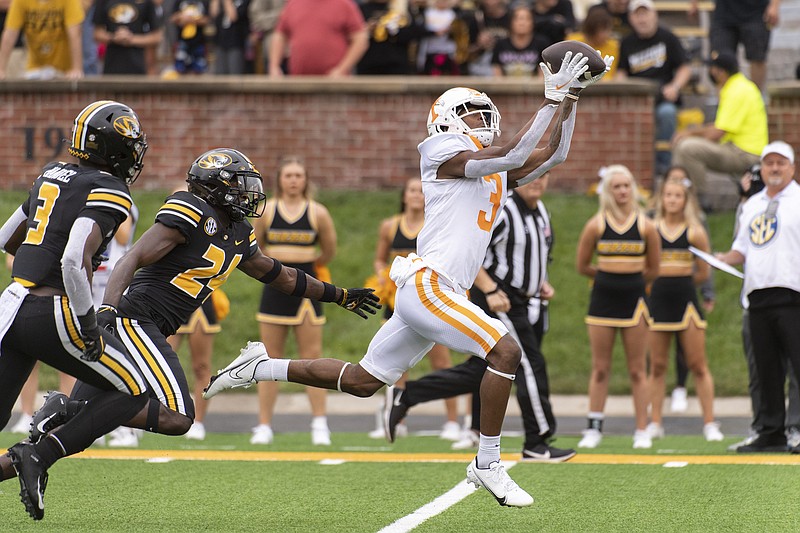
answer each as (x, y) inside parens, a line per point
(780, 148)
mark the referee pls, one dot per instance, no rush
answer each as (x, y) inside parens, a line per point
(768, 243)
(512, 286)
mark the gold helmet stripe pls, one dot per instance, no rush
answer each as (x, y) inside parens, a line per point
(79, 131)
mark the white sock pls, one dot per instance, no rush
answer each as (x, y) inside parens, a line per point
(488, 450)
(272, 370)
(319, 422)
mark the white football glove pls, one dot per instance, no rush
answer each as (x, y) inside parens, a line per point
(557, 85)
(584, 83)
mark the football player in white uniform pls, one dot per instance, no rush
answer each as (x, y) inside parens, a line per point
(465, 180)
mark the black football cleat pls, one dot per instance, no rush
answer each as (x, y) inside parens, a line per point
(52, 414)
(394, 411)
(32, 478)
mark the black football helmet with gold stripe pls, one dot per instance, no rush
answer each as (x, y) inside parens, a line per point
(108, 133)
(226, 178)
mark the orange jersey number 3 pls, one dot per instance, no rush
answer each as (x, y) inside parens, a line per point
(485, 220)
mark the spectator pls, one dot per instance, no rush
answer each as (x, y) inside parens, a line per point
(673, 303)
(298, 232)
(52, 31)
(731, 143)
(391, 35)
(596, 31)
(734, 22)
(618, 9)
(554, 19)
(232, 33)
(628, 248)
(519, 54)
(443, 49)
(17, 58)
(652, 52)
(768, 244)
(127, 28)
(191, 17)
(91, 56)
(263, 16)
(487, 25)
(752, 183)
(324, 39)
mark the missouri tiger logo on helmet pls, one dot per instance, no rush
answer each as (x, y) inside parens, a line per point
(448, 111)
(226, 178)
(109, 134)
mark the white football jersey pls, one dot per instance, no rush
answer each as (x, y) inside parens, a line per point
(459, 213)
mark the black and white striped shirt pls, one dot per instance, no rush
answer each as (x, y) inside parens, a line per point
(520, 247)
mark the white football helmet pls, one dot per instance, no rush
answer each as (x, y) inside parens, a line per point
(448, 111)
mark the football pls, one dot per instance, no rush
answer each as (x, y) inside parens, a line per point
(553, 54)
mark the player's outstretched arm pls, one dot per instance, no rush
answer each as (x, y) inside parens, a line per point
(289, 280)
(518, 150)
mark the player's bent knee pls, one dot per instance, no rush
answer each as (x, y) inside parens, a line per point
(505, 356)
(173, 423)
(358, 382)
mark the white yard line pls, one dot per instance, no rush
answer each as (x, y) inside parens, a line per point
(437, 506)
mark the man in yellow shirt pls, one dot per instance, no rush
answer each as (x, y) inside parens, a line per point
(733, 142)
(52, 30)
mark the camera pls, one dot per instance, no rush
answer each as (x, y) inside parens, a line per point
(756, 182)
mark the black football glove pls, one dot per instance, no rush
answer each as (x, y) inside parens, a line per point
(360, 301)
(107, 318)
(93, 344)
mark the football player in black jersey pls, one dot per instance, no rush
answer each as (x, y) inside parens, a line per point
(199, 238)
(57, 236)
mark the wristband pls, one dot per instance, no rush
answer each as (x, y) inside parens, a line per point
(328, 293)
(300, 284)
(88, 321)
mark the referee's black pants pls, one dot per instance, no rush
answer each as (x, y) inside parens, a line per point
(533, 390)
(775, 336)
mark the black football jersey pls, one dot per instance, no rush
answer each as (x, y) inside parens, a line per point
(169, 290)
(60, 195)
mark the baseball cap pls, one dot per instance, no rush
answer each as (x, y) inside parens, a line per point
(633, 5)
(725, 60)
(780, 148)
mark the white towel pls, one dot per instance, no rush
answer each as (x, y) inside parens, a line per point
(10, 302)
(405, 267)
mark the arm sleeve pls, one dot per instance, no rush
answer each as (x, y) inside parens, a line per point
(560, 155)
(76, 280)
(10, 227)
(516, 157)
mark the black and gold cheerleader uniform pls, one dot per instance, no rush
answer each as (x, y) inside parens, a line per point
(290, 238)
(404, 242)
(618, 293)
(673, 300)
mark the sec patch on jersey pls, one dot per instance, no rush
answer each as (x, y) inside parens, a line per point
(554, 54)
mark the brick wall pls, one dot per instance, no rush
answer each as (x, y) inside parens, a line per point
(358, 133)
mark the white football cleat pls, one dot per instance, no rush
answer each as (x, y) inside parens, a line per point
(240, 373)
(469, 440)
(591, 438)
(451, 431)
(712, 433)
(123, 437)
(262, 434)
(496, 480)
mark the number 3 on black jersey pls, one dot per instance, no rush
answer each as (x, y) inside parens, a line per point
(48, 194)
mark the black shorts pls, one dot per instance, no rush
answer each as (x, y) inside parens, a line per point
(754, 35)
(673, 304)
(617, 300)
(204, 317)
(287, 310)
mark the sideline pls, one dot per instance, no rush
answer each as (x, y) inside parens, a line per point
(387, 457)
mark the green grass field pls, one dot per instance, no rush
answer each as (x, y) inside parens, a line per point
(225, 484)
(357, 215)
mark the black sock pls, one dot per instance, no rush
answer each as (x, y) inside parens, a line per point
(49, 450)
(101, 414)
(74, 407)
(596, 423)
